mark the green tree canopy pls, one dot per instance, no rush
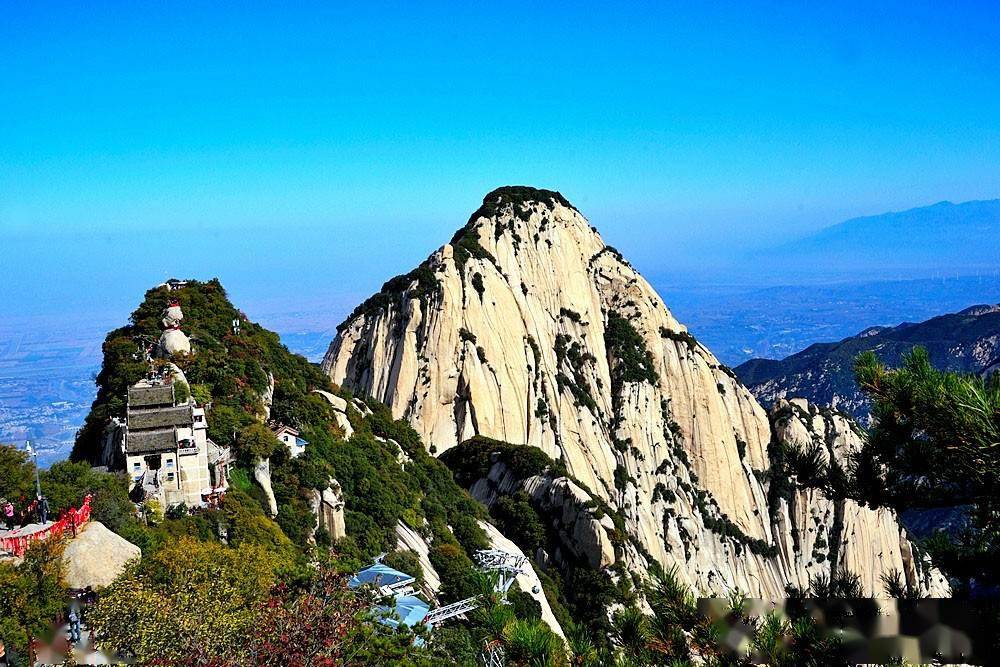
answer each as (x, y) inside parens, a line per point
(32, 593)
(17, 475)
(935, 441)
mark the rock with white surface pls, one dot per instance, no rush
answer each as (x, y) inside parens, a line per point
(96, 556)
(529, 329)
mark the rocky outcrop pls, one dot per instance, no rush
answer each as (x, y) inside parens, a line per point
(172, 315)
(339, 406)
(174, 341)
(262, 475)
(803, 426)
(267, 398)
(96, 556)
(529, 329)
(408, 539)
(829, 532)
(584, 530)
(328, 508)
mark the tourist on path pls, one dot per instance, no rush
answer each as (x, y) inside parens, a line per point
(4, 658)
(8, 515)
(74, 626)
(43, 509)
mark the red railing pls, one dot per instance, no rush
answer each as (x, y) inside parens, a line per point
(69, 521)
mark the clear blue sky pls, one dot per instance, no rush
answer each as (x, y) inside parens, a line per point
(666, 123)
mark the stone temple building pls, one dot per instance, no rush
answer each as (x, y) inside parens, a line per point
(166, 445)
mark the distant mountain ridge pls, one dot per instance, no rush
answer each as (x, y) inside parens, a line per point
(967, 341)
(941, 237)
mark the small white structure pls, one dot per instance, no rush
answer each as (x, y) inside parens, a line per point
(173, 284)
(290, 436)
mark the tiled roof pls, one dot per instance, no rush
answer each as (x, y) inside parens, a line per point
(410, 609)
(379, 575)
(149, 442)
(140, 397)
(160, 417)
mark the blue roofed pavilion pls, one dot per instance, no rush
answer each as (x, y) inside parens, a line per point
(380, 576)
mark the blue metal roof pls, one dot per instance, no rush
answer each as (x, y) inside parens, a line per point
(410, 609)
(378, 575)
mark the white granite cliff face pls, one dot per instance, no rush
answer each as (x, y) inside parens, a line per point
(840, 533)
(328, 508)
(527, 328)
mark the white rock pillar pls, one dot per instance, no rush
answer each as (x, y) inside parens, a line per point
(262, 473)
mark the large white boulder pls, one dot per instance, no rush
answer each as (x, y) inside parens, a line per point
(174, 341)
(96, 556)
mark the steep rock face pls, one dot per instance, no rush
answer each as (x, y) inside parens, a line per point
(834, 534)
(528, 579)
(528, 329)
(408, 539)
(802, 426)
(571, 509)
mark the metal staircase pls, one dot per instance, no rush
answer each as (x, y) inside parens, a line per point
(452, 610)
(493, 654)
(507, 566)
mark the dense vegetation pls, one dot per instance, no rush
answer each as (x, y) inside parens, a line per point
(472, 459)
(632, 360)
(385, 473)
(31, 596)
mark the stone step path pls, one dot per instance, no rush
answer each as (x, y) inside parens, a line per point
(83, 652)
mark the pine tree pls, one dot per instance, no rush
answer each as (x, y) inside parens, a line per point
(935, 442)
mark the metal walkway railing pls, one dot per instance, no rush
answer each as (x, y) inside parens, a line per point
(452, 610)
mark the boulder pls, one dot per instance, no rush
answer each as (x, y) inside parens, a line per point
(174, 341)
(339, 406)
(96, 556)
(262, 473)
(172, 316)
